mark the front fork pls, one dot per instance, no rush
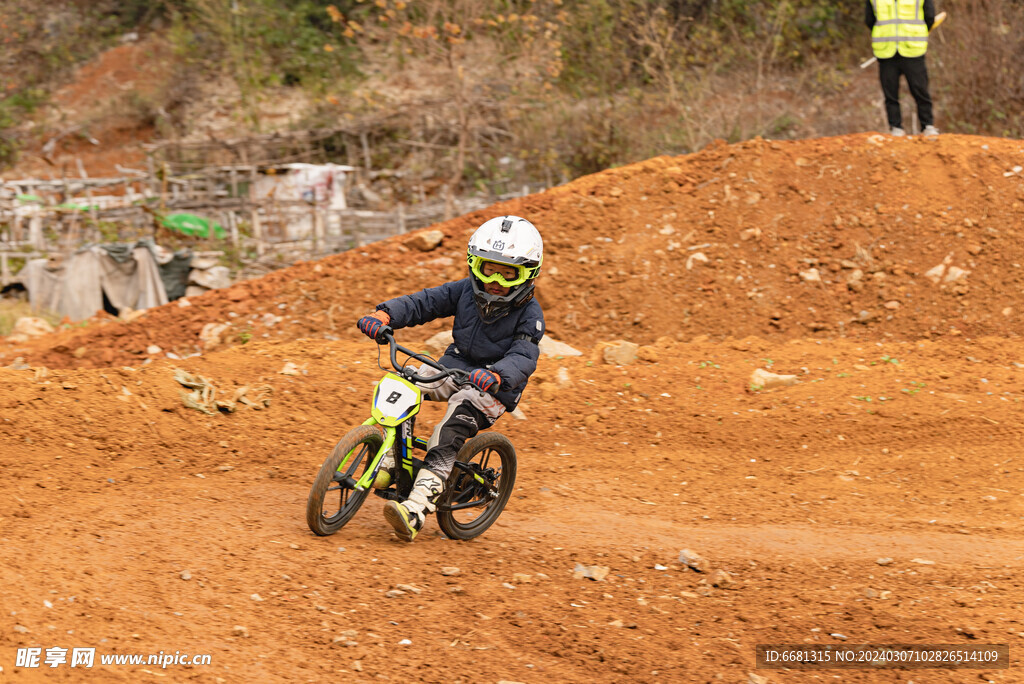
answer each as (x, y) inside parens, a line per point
(404, 441)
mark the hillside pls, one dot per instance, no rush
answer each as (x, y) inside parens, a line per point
(834, 237)
(874, 501)
(479, 97)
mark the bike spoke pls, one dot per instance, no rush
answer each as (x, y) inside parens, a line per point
(486, 457)
(354, 463)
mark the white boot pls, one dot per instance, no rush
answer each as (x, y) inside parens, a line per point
(407, 518)
(930, 131)
(897, 131)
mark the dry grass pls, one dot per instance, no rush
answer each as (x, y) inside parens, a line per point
(13, 309)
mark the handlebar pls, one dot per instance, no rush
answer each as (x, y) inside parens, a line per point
(387, 334)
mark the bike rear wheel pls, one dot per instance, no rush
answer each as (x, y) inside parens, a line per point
(468, 506)
(331, 503)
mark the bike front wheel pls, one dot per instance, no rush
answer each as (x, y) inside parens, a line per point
(479, 486)
(332, 499)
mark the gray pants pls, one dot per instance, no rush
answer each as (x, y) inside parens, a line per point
(469, 411)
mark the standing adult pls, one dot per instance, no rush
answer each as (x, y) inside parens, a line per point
(899, 38)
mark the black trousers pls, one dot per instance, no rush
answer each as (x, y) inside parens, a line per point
(889, 72)
(462, 422)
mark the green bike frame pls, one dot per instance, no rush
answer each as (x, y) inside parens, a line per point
(395, 402)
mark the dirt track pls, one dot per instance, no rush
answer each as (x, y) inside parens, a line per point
(902, 440)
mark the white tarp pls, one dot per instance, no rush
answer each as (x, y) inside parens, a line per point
(75, 288)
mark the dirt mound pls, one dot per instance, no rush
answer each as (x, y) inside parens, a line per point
(875, 501)
(168, 529)
(849, 236)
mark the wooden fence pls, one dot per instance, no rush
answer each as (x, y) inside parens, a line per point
(39, 217)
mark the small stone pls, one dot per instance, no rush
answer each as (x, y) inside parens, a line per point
(348, 643)
(753, 678)
(648, 353)
(969, 631)
(405, 642)
(290, 369)
(811, 276)
(357, 666)
(153, 349)
(694, 259)
(240, 631)
(615, 623)
(884, 561)
(450, 571)
(408, 588)
(293, 546)
(424, 241)
(694, 561)
(554, 348)
(31, 326)
(955, 274)
(394, 593)
(922, 561)
(256, 597)
(721, 579)
(892, 305)
(456, 589)
(522, 578)
(591, 572)
(186, 575)
(620, 353)
(21, 629)
(763, 379)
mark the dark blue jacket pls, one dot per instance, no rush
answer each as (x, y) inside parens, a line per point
(508, 346)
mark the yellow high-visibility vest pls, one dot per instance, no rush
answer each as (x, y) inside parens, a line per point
(899, 25)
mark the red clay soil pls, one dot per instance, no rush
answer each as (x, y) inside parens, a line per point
(621, 254)
(105, 102)
(132, 524)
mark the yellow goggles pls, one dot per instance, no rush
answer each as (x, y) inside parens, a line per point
(476, 265)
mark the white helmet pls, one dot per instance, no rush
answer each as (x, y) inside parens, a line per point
(508, 240)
